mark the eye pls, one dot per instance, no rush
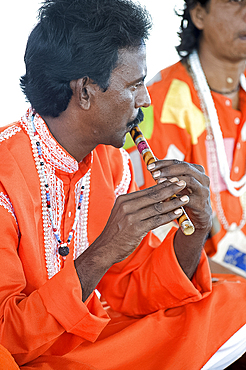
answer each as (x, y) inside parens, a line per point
(138, 84)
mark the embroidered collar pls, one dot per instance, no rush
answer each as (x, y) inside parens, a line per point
(53, 152)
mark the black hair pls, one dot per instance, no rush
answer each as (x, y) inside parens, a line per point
(75, 39)
(189, 34)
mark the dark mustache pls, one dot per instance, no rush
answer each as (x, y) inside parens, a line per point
(137, 120)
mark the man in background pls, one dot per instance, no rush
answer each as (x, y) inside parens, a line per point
(198, 114)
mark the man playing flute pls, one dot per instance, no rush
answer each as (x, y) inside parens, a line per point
(84, 284)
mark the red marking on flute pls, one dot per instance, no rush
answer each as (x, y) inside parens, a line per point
(141, 146)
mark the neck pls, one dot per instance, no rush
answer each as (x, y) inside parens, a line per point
(67, 132)
(222, 75)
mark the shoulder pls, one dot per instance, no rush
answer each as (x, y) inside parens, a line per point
(14, 133)
(163, 78)
(9, 131)
(15, 147)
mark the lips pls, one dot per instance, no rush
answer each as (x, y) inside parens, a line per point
(130, 127)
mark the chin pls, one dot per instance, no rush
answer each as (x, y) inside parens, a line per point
(120, 145)
(117, 144)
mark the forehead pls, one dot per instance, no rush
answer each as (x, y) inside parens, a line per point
(131, 65)
(221, 3)
(224, 12)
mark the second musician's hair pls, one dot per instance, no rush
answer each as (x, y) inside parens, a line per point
(189, 34)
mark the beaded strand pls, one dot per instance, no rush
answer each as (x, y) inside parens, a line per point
(63, 247)
(212, 148)
(206, 97)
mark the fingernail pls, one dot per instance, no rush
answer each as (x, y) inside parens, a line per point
(178, 211)
(185, 198)
(162, 179)
(151, 166)
(156, 174)
(174, 179)
(181, 183)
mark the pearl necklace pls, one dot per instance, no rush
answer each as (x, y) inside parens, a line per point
(62, 247)
(215, 141)
(213, 121)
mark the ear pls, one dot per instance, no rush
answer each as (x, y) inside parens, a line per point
(198, 14)
(83, 91)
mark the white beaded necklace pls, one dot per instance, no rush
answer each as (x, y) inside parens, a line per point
(213, 121)
(47, 216)
(215, 142)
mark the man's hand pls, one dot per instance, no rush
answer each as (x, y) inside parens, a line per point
(197, 188)
(135, 214)
(188, 248)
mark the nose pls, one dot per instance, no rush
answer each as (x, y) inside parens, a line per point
(143, 98)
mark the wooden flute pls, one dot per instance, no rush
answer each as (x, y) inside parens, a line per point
(144, 149)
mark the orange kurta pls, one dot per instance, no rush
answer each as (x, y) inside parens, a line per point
(6, 360)
(155, 318)
(175, 128)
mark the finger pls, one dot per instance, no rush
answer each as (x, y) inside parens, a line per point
(162, 208)
(197, 184)
(160, 219)
(184, 171)
(172, 168)
(199, 167)
(143, 198)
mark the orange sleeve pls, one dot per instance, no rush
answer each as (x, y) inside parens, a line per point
(30, 324)
(7, 362)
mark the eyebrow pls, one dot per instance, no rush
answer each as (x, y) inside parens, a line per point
(138, 80)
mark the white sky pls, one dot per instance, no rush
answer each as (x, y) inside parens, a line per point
(17, 20)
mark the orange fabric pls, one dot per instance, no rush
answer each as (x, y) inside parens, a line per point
(156, 317)
(6, 360)
(177, 121)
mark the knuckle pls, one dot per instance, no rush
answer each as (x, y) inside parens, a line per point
(157, 220)
(170, 216)
(120, 199)
(176, 161)
(191, 181)
(129, 220)
(124, 208)
(200, 168)
(207, 181)
(158, 207)
(153, 193)
(206, 194)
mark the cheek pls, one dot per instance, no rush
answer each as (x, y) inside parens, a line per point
(125, 105)
(118, 107)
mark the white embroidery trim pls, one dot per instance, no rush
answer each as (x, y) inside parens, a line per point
(52, 257)
(6, 203)
(212, 121)
(53, 260)
(123, 186)
(52, 152)
(8, 132)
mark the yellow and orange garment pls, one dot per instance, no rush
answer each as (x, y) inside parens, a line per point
(152, 316)
(174, 126)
